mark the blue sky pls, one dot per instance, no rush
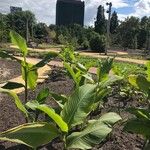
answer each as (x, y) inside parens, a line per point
(45, 10)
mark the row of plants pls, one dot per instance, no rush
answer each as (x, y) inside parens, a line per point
(72, 121)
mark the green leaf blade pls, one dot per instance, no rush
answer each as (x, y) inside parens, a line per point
(94, 133)
(12, 85)
(32, 135)
(79, 105)
(51, 113)
(18, 102)
(41, 98)
(19, 41)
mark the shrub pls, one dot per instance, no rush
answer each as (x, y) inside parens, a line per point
(85, 45)
(62, 39)
(98, 43)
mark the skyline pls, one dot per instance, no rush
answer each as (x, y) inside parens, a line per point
(45, 10)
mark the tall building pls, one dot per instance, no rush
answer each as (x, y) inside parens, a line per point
(15, 9)
(69, 12)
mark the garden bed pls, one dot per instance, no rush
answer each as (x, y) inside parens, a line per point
(59, 83)
(9, 69)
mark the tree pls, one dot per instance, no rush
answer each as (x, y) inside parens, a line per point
(100, 23)
(21, 22)
(128, 31)
(114, 22)
(143, 35)
(40, 31)
(4, 33)
(98, 43)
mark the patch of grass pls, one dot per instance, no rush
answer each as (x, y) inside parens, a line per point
(124, 67)
(47, 46)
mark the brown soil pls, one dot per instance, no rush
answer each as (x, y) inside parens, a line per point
(118, 140)
(8, 70)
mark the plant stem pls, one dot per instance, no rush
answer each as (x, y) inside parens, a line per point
(26, 81)
(26, 84)
(146, 145)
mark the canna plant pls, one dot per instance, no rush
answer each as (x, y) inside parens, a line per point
(73, 114)
(142, 82)
(77, 71)
(29, 72)
(140, 123)
(82, 133)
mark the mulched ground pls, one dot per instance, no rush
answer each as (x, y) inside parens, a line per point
(8, 70)
(118, 140)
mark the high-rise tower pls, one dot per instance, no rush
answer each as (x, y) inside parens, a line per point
(69, 12)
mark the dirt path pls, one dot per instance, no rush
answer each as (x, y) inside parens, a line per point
(42, 74)
(129, 60)
(96, 55)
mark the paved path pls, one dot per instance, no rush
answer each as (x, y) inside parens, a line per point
(42, 74)
(129, 60)
(96, 55)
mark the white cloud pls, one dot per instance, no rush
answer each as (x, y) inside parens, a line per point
(142, 8)
(92, 5)
(45, 9)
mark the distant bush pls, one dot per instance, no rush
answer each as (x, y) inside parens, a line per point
(85, 45)
(62, 39)
(98, 43)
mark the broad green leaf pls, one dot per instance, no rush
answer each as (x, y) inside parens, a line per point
(71, 72)
(12, 85)
(140, 82)
(94, 133)
(19, 41)
(46, 60)
(81, 67)
(59, 99)
(101, 94)
(79, 105)
(42, 96)
(107, 82)
(140, 113)
(32, 75)
(88, 77)
(148, 70)
(51, 113)
(104, 68)
(18, 102)
(32, 134)
(3, 54)
(138, 126)
(132, 80)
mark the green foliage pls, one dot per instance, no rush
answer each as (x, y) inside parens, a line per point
(100, 23)
(18, 22)
(142, 82)
(104, 69)
(79, 105)
(128, 32)
(85, 45)
(94, 133)
(12, 85)
(17, 101)
(50, 112)
(19, 41)
(98, 43)
(42, 96)
(73, 110)
(139, 124)
(32, 134)
(114, 23)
